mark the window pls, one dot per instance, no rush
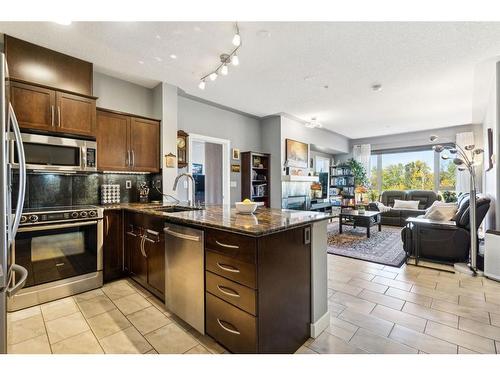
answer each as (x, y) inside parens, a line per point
(415, 169)
(322, 164)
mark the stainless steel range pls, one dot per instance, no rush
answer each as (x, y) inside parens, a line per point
(61, 247)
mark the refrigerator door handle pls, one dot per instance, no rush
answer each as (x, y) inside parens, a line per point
(23, 275)
(22, 173)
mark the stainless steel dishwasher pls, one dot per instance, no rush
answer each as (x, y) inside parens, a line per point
(184, 274)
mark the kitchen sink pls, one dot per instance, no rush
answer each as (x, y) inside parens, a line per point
(175, 209)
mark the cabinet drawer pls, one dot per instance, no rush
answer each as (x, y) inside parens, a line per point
(231, 268)
(233, 328)
(231, 244)
(234, 293)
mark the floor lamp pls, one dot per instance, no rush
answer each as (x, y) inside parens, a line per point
(464, 162)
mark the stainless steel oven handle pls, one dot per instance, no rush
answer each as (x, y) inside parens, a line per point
(22, 173)
(57, 226)
(23, 275)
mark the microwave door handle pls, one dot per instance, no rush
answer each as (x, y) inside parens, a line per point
(22, 173)
(83, 161)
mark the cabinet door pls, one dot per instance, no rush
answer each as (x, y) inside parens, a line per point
(75, 114)
(138, 265)
(112, 141)
(145, 145)
(113, 245)
(34, 106)
(156, 261)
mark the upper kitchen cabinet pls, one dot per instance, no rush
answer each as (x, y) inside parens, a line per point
(35, 64)
(127, 142)
(145, 144)
(50, 92)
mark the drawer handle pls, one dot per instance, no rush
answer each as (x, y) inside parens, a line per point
(228, 268)
(228, 291)
(132, 234)
(233, 331)
(226, 245)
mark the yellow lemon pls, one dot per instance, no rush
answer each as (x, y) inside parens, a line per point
(247, 201)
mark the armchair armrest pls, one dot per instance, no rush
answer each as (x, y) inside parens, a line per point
(428, 223)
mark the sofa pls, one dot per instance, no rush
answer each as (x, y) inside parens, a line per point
(397, 217)
(446, 242)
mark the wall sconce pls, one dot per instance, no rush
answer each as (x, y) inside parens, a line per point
(170, 160)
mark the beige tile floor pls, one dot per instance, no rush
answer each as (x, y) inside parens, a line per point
(119, 318)
(373, 309)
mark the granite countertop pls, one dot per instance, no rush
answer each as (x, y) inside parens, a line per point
(264, 221)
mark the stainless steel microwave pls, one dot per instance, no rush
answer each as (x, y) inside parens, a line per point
(57, 154)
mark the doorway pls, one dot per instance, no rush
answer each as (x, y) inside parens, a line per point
(209, 164)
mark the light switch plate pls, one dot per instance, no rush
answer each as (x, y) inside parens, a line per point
(128, 184)
(233, 184)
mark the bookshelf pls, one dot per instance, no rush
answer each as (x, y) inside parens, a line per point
(256, 177)
(342, 186)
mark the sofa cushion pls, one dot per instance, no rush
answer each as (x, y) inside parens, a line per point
(425, 197)
(391, 213)
(388, 196)
(406, 205)
(441, 211)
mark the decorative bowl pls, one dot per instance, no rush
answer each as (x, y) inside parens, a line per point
(246, 208)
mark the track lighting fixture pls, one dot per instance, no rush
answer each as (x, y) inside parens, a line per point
(225, 60)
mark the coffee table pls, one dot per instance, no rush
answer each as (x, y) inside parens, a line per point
(354, 218)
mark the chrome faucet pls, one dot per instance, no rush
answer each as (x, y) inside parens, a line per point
(193, 193)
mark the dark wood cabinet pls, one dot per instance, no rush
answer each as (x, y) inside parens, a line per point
(43, 109)
(145, 251)
(76, 114)
(112, 245)
(258, 296)
(145, 145)
(34, 106)
(127, 143)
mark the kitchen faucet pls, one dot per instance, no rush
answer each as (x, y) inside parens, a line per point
(193, 193)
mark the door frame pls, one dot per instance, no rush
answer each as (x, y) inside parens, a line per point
(226, 154)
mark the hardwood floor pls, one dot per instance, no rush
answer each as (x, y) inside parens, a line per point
(381, 309)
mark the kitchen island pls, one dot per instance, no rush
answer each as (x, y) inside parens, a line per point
(265, 275)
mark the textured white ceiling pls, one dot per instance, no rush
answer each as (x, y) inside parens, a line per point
(426, 69)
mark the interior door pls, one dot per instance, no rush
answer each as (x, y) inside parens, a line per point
(34, 106)
(112, 142)
(75, 114)
(145, 145)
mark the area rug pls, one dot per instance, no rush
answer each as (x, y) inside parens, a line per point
(383, 247)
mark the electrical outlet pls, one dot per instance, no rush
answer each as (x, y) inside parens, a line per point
(233, 184)
(128, 184)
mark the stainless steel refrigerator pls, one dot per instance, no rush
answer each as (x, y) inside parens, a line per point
(12, 276)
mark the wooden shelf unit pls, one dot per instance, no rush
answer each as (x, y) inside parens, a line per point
(342, 179)
(253, 176)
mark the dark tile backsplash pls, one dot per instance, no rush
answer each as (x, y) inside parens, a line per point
(48, 190)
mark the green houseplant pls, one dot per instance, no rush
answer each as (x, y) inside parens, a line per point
(358, 170)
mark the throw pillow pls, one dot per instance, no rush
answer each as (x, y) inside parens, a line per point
(407, 205)
(441, 211)
(382, 207)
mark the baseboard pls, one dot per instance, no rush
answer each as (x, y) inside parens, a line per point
(320, 325)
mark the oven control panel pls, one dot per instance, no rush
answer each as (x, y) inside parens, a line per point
(60, 216)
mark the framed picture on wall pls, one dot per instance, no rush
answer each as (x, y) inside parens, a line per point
(236, 154)
(235, 168)
(297, 153)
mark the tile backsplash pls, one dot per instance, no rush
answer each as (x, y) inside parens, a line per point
(47, 190)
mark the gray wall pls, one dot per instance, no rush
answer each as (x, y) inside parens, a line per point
(244, 132)
(119, 95)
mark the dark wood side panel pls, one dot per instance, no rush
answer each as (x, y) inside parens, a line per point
(31, 63)
(284, 298)
(113, 245)
(231, 244)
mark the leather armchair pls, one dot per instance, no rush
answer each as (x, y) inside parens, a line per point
(448, 241)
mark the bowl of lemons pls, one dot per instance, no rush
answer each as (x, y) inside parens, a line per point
(246, 207)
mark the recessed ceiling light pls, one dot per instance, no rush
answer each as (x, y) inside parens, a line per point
(326, 86)
(377, 87)
(63, 22)
(263, 33)
(141, 62)
(197, 28)
(308, 78)
(159, 59)
(158, 36)
(173, 57)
